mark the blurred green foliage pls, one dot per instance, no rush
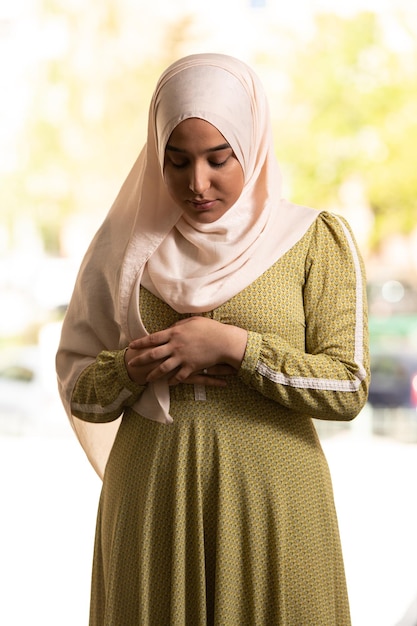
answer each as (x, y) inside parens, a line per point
(349, 110)
(87, 104)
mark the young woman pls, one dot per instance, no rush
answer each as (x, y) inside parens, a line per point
(210, 322)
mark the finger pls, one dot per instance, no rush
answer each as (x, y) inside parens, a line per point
(167, 368)
(153, 355)
(155, 339)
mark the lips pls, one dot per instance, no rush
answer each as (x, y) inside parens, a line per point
(203, 205)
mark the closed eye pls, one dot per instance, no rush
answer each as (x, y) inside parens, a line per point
(179, 165)
(183, 164)
(217, 165)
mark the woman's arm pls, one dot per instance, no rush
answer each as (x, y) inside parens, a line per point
(329, 379)
(104, 389)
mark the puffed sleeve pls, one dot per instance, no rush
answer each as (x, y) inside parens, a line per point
(104, 389)
(329, 378)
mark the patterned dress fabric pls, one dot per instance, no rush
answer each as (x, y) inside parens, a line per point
(226, 517)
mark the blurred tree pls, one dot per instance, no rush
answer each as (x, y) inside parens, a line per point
(90, 95)
(351, 111)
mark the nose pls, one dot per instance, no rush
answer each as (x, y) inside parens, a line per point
(199, 179)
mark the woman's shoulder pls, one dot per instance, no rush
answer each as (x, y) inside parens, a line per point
(331, 225)
(320, 220)
(328, 219)
(332, 238)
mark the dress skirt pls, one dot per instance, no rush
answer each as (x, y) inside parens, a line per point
(225, 517)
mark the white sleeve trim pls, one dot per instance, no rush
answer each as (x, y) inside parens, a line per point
(97, 409)
(323, 384)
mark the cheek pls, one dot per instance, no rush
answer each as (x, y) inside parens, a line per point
(172, 182)
(239, 181)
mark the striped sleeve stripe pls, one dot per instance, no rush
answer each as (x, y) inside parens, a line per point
(97, 409)
(324, 383)
(312, 383)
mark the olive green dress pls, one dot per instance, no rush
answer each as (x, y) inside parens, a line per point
(226, 516)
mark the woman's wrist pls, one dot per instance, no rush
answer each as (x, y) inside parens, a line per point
(132, 372)
(234, 340)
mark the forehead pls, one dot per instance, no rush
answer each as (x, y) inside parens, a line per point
(218, 95)
(195, 133)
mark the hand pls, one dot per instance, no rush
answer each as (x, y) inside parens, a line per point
(138, 372)
(210, 376)
(183, 351)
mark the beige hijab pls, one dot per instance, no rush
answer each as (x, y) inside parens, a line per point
(145, 239)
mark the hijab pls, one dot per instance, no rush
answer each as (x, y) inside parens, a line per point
(145, 238)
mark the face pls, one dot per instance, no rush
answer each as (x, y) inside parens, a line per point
(201, 171)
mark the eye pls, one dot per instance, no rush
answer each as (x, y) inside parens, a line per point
(218, 164)
(177, 163)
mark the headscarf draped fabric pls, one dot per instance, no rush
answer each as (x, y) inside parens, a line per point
(145, 238)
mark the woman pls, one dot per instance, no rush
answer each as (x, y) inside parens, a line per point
(210, 322)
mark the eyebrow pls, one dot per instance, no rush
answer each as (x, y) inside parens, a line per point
(222, 146)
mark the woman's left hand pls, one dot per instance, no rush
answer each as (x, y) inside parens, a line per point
(190, 348)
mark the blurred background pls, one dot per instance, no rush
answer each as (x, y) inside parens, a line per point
(75, 80)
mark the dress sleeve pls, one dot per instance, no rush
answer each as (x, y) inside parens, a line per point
(329, 378)
(104, 389)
